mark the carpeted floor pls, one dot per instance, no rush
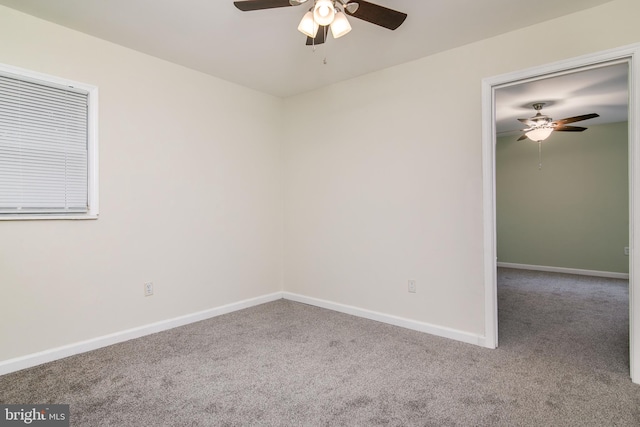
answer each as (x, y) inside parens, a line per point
(562, 361)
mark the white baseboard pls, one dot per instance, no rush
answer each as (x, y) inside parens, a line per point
(387, 318)
(30, 360)
(23, 362)
(609, 274)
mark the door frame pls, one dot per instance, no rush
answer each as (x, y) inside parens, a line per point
(631, 54)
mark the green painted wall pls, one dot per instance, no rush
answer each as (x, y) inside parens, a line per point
(574, 213)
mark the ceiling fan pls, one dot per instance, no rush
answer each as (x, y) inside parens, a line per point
(327, 14)
(541, 126)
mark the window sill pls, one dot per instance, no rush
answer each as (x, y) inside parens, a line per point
(28, 217)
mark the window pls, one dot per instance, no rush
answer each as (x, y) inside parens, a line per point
(48, 147)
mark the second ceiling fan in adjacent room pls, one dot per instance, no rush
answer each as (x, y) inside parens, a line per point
(541, 126)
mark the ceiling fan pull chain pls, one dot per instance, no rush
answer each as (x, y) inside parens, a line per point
(324, 46)
(539, 155)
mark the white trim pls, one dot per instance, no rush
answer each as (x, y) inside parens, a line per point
(578, 271)
(92, 137)
(630, 53)
(23, 362)
(389, 319)
(634, 211)
(28, 217)
(30, 360)
(92, 140)
(489, 228)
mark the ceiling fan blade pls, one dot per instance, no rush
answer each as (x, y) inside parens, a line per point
(576, 119)
(249, 5)
(569, 129)
(378, 15)
(527, 122)
(320, 38)
(522, 137)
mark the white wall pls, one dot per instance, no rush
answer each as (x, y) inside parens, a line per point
(190, 198)
(395, 191)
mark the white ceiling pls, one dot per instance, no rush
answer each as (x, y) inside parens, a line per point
(602, 90)
(263, 49)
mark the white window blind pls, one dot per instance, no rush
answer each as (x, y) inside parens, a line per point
(43, 147)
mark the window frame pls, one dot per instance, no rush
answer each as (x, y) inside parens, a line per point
(92, 142)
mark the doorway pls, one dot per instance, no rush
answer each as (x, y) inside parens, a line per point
(562, 204)
(629, 55)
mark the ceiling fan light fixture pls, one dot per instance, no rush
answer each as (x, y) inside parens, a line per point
(308, 26)
(340, 25)
(324, 12)
(540, 133)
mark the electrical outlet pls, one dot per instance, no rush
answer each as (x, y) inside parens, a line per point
(412, 286)
(148, 289)
(626, 250)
